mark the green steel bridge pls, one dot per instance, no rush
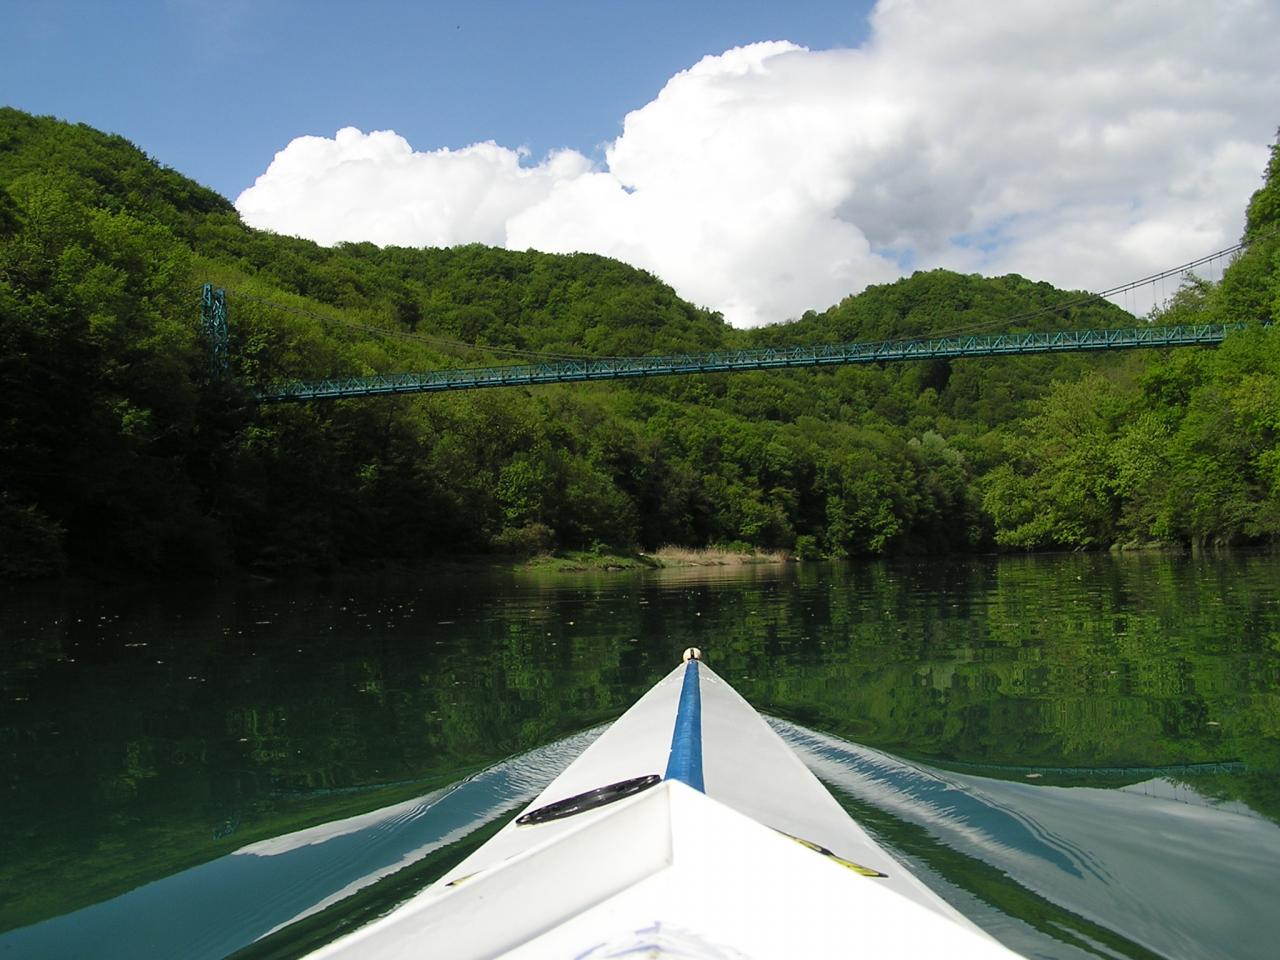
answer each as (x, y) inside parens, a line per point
(728, 361)
(578, 370)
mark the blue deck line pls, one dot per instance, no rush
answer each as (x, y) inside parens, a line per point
(685, 761)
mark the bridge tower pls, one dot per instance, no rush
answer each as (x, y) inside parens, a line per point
(213, 321)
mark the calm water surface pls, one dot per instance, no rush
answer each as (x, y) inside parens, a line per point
(1082, 753)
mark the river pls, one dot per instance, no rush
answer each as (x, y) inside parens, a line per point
(1081, 752)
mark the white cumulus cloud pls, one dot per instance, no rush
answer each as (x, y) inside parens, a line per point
(1085, 143)
(375, 187)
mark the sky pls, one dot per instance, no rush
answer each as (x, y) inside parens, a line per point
(763, 158)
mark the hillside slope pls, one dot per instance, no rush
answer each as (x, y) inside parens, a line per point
(120, 450)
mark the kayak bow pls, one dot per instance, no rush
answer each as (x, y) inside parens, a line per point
(675, 834)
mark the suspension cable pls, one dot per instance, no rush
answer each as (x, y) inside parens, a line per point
(516, 353)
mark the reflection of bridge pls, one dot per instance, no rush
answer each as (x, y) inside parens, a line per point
(1172, 770)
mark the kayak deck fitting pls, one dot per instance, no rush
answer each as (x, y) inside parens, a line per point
(674, 834)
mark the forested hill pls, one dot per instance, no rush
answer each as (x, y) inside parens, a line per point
(119, 450)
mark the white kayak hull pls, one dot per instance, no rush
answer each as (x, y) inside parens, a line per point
(698, 858)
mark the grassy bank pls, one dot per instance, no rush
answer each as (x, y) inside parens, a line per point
(579, 561)
(716, 556)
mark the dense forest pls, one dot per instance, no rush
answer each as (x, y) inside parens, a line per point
(122, 449)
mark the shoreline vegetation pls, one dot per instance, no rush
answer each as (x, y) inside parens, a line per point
(566, 563)
(576, 562)
(126, 452)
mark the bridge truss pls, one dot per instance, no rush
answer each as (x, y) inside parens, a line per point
(765, 358)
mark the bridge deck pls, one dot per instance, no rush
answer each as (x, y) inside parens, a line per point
(767, 358)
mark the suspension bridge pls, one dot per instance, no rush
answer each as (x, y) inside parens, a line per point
(583, 369)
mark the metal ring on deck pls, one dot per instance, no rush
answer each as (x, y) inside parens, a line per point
(598, 797)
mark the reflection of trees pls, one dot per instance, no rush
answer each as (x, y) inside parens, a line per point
(1079, 662)
(131, 762)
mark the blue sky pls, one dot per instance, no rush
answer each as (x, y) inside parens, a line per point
(214, 89)
(764, 158)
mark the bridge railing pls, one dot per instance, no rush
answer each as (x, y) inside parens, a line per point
(763, 358)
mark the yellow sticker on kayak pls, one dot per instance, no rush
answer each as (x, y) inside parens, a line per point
(848, 864)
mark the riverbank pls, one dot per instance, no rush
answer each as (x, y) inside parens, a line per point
(578, 561)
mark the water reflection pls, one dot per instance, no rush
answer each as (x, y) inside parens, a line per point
(213, 910)
(146, 732)
(1153, 866)
(1156, 862)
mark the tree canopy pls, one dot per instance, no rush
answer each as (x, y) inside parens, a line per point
(119, 449)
